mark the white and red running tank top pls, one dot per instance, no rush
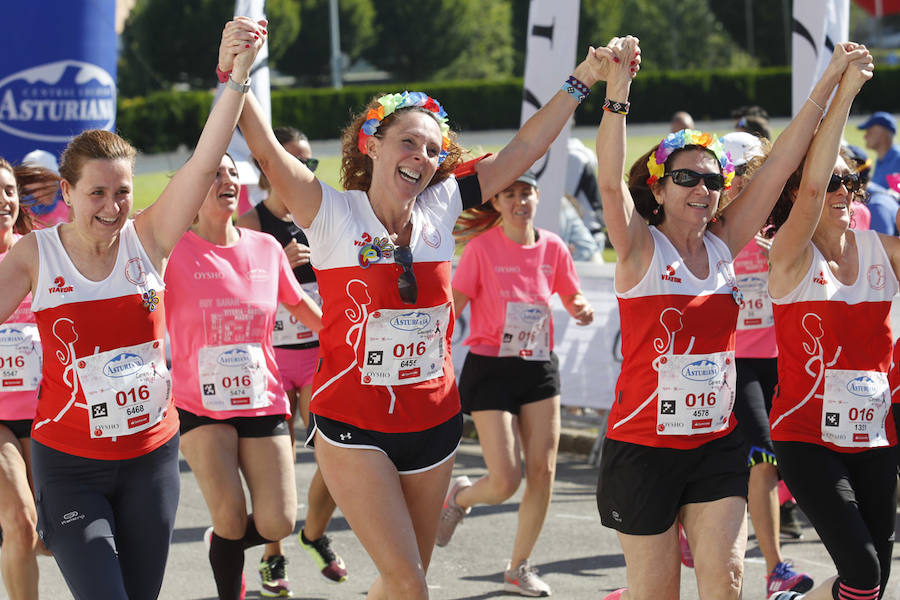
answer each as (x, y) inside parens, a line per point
(106, 337)
(834, 354)
(676, 387)
(20, 361)
(384, 365)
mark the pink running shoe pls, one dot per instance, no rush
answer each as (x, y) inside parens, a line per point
(784, 578)
(687, 559)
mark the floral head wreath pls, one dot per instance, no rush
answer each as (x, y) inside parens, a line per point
(389, 103)
(656, 164)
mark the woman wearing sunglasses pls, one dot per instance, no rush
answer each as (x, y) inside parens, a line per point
(510, 380)
(296, 352)
(385, 415)
(831, 419)
(671, 454)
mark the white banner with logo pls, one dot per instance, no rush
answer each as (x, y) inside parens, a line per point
(816, 27)
(550, 58)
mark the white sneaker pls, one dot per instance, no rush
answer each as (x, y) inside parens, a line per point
(452, 513)
(524, 580)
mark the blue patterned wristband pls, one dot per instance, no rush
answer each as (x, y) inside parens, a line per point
(576, 89)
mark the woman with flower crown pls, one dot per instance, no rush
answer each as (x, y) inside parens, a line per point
(385, 414)
(671, 454)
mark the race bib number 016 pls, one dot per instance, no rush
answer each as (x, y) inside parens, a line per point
(526, 332)
(20, 357)
(127, 389)
(405, 346)
(288, 330)
(756, 306)
(233, 377)
(854, 408)
(696, 393)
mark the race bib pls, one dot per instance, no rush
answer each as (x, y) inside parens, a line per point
(696, 393)
(756, 306)
(287, 329)
(854, 408)
(127, 389)
(405, 346)
(233, 377)
(526, 331)
(20, 357)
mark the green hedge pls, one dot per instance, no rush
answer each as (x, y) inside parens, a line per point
(162, 121)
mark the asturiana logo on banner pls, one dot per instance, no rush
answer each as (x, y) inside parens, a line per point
(39, 102)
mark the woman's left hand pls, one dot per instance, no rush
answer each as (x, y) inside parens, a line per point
(581, 310)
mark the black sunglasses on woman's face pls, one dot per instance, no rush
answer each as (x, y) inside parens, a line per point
(688, 178)
(851, 181)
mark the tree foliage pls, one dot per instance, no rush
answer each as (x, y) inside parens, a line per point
(417, 40)
(172, 41)
(309, 54)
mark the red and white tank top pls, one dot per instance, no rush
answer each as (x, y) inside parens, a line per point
(676, 387)
(834, 354)
(20, 361)
(755, 324)
(384, 365)
(106, 392)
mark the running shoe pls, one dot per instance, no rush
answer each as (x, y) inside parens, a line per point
(687, 558)
(784, 578)
(524, 580)
(330, 564)
(452, 514)
(273, 578)
(786, 596)
(615, 595)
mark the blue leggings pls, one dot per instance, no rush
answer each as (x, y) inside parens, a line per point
(108, 522)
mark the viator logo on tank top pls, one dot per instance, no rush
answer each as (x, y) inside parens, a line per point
(669, 275)
(60, 287)
(820, 278)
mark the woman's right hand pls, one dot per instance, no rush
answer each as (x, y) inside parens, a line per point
(858, 71)
(845, 53)
(625, 65)
(297, 253)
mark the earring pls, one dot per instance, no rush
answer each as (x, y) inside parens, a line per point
(656, 210)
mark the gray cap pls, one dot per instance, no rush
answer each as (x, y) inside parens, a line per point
(528, 177)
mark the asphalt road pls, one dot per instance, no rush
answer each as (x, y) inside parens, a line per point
(576, 555)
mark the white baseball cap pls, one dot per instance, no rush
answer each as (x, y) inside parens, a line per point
(741, 146)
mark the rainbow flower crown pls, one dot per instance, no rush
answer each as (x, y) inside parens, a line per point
(656, 164)
(389, 103)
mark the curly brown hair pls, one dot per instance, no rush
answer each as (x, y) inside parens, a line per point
(782, 209)
(356, 167)
(23, 223)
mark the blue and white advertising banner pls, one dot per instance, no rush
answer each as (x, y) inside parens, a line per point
(549, 60)
(57, 73)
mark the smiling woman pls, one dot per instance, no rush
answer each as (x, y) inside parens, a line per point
(382, 250)
(104, 441)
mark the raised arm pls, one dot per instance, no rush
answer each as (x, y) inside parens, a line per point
(18, 272)
(496, 172)
(163, 223)
(790, 255)
(627, 230)
(748, 211)
(295, 185)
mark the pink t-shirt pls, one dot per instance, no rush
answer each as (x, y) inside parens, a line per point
(220, 310)
(755, 325)
(20, 361)
(496, 272)
(861, 218)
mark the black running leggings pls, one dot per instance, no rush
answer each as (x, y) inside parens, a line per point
(108, 522)
(851, 500)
